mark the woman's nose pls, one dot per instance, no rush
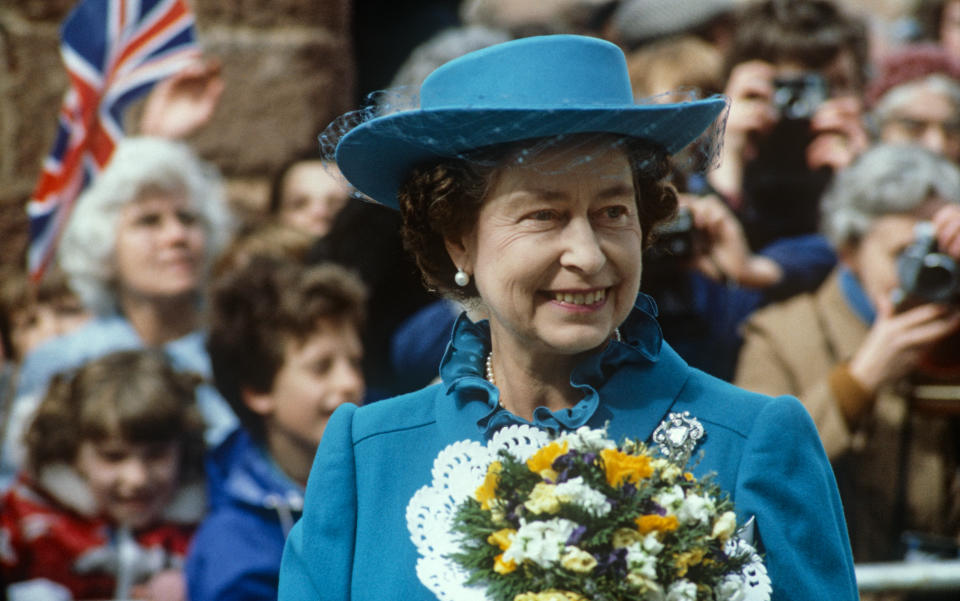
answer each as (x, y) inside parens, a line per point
(174, 229)
(582, 247)
(934, 138)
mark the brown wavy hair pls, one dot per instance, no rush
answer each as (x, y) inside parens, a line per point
(260, 306)
(135, 395)
(443, 200)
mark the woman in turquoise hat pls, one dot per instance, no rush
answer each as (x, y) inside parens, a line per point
(529, 184)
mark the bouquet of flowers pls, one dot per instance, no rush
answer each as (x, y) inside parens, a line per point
(534, 517)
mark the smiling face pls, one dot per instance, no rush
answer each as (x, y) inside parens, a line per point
(131, 483)
(556, 251)
(318, 375)
(159, 247)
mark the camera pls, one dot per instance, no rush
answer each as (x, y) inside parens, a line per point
(675, 243)
(676, 239)
(926, 275)
(798, 97)
(781, 193)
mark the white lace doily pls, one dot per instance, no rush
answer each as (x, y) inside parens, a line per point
(458, 471)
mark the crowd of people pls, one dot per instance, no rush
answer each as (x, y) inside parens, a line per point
(165, 388)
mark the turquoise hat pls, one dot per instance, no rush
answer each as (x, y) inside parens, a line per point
(523, 89)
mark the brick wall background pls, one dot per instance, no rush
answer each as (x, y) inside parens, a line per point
(288, 69)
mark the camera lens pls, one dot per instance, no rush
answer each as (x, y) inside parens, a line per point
(937, 280)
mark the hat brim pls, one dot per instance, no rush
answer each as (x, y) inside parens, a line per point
(378, 155)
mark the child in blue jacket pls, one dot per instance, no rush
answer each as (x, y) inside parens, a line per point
(285, 347)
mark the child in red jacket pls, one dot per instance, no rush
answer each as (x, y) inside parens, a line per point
(112, 488)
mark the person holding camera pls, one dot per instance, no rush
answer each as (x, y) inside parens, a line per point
(796, 68)
(851, 350)
(796, 71)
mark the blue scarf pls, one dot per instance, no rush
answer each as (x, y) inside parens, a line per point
(856, 296)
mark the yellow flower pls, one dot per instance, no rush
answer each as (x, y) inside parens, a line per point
(688, 476)
(543, 499)
(550, 595)
(669, 471)
(576, 559)
(620, 466)
(683, 561)
(624, 537)
(725, 526)
(656, 523)
(487, 491)
(641, 582)
(501, 538)
(503, 567)
(542, 461)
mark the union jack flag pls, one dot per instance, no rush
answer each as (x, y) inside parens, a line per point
(114, 51)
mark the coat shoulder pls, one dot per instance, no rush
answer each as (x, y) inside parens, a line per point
(735, 409)
(409, 411)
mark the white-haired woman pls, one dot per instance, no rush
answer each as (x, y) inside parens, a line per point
(848, 349)
(136, 250)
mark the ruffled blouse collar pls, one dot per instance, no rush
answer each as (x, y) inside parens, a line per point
(462, 370)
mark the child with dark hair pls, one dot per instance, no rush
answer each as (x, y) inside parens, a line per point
(112, 490)
(285, 347)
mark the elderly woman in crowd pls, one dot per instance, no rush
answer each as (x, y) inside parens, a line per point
(915, 99)
(848, 349)
(529, 183)
(137, 250)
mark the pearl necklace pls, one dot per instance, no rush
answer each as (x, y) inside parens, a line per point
(493, 380)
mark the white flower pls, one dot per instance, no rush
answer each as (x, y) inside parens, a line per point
(541, 542)
(671, 498)
(651, 544)
(731, 589)
(682, 590)
(587, 440)
(579, 493)
(641, 562)
(696, 509)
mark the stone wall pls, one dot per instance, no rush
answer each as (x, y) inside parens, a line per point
(287, 66)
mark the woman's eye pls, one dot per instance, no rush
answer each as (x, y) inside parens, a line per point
(543, 215)
(148, 219)
(187, 217)
(113, 456)
(615, 211)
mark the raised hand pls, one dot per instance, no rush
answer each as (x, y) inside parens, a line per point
(182, 103)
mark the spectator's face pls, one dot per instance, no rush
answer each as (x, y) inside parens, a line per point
(927, 117)
(131, 483)
(159, 248)
(33, 326)
(950, 27)
(313, 193)
(317, 376)
(874, 260)
(840, 74)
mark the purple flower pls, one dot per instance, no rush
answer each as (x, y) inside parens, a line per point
(576, 535)
(615, 561)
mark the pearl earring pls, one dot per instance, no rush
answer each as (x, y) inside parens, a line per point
(461, 278)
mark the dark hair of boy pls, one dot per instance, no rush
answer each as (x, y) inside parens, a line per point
(256, 310)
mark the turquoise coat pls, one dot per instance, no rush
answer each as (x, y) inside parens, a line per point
(352, 541)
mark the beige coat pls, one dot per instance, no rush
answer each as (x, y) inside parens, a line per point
(790, 348)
